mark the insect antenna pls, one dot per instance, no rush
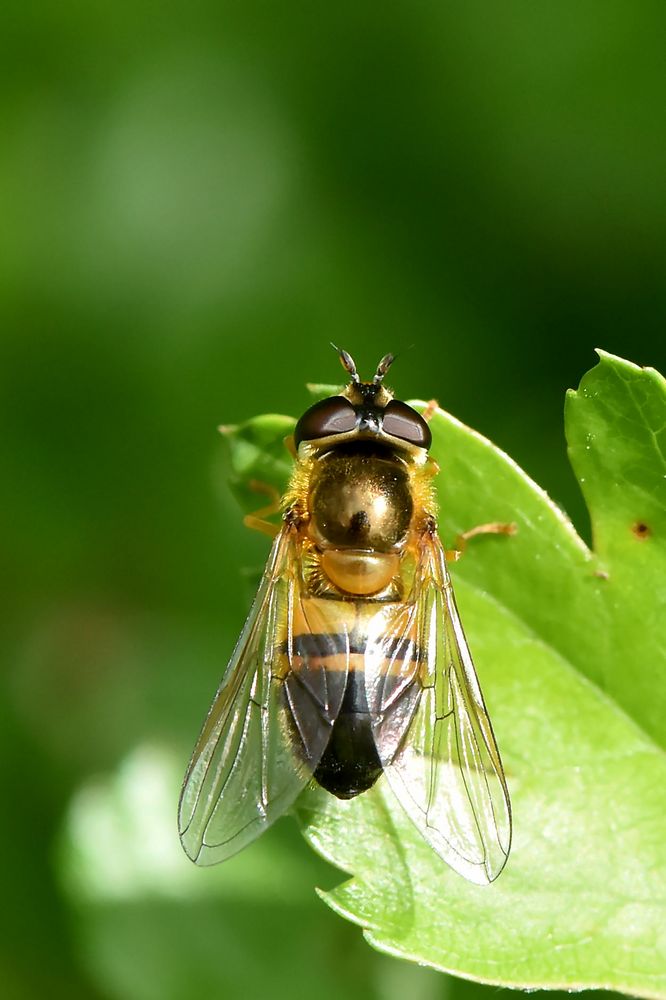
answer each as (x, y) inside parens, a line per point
(383, 367)
(347, 363)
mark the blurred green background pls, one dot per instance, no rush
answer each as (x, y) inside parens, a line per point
(194, 201)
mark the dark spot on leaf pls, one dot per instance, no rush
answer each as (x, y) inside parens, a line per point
(641, 530)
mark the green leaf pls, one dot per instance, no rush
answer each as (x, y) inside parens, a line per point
(616, 429)
(256, 452)
(569, 645)
(152, 926)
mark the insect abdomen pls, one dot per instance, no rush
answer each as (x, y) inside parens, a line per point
(345, 722)
(350, 764)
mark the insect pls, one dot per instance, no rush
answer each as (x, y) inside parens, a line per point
(353, 663)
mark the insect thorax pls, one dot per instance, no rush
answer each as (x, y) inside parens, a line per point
(359, 498)
(360, 501)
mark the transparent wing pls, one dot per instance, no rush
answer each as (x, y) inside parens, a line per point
(440, 756)
(269, 723)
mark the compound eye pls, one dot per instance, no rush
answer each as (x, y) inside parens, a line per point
(401, 421)
(334, 415)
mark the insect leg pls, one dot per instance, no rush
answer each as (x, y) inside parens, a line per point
(429, 411)
(492, 528)
(257, 519)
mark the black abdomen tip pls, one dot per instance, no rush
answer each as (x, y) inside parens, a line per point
(350, 764)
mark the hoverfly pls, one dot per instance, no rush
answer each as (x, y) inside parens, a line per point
(353, 662)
